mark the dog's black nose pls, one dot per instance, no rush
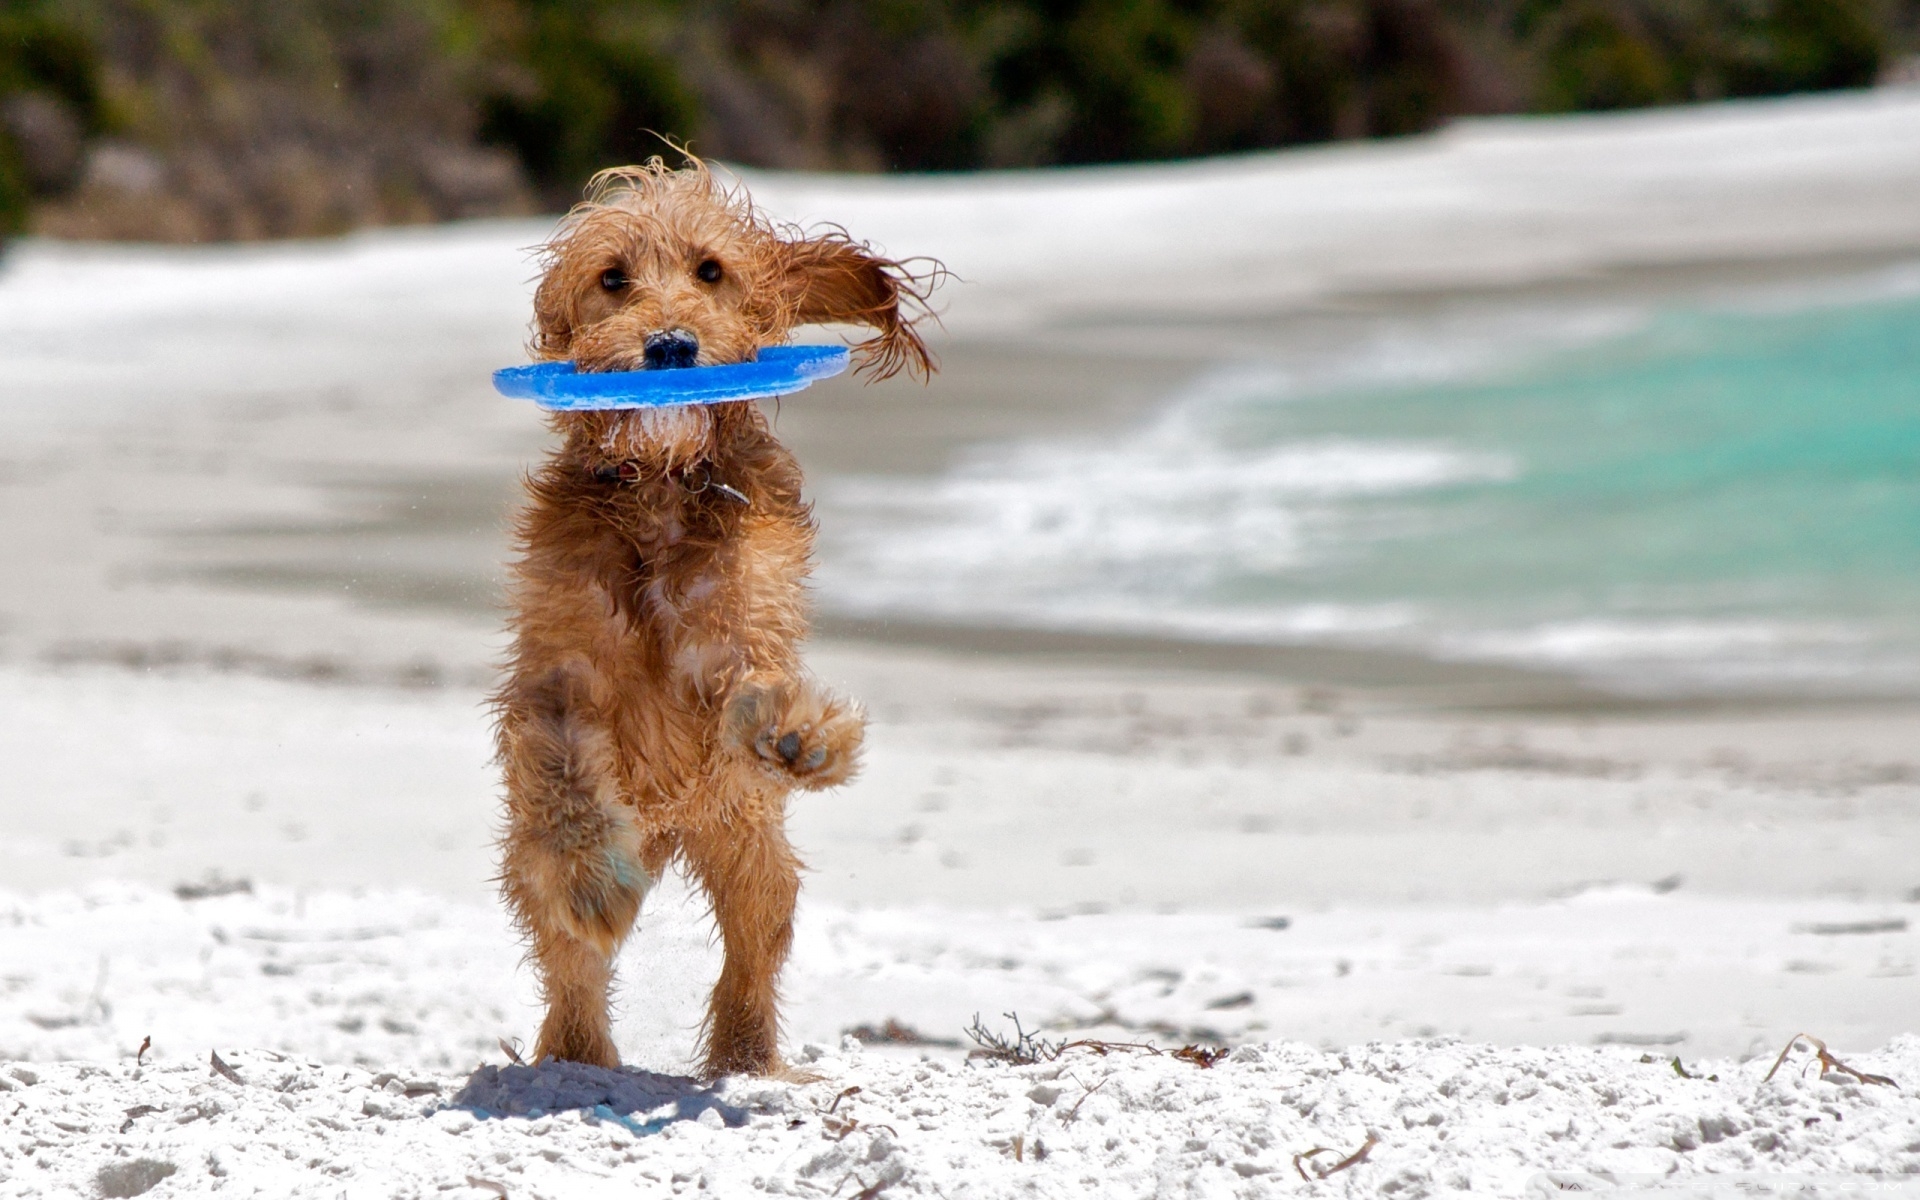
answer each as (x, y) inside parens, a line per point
(671, 348)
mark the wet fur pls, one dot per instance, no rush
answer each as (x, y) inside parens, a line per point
(655, 708)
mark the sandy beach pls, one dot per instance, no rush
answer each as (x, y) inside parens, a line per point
(253, 503)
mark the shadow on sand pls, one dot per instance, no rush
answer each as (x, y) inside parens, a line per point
(640, 1101)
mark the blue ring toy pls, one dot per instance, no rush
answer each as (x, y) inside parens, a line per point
(779, 371)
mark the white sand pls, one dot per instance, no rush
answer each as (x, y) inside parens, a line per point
(1102, 853)
(1557, 881)
(354, 1022)
(1450, 1119)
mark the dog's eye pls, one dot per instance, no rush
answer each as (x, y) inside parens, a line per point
(613, 279)
(708, 270)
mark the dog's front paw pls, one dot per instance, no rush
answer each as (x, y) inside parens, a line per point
(808, 735)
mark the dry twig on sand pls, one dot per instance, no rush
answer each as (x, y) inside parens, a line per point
(838, 1127)
(1074, 1112)
(146, 1044)
(1828, 1063)
(1104, 1048)
(1680, 1069)
(867, 1190)
(1303, 1160)
(223, 1070)
(135, 1113)
(1200, 1056)
(1024, 1049)
(845, 1094)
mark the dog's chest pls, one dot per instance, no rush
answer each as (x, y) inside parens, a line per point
(678, 434)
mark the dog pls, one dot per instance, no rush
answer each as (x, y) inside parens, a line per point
(654, 707)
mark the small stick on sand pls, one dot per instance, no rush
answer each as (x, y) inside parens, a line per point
(1200, 1056)
(1104, 1048)
(223, 1070)
(867, 1190)
(135, 1113)
(1300, 1160)
(1075, 1110)
(845, 1093)
(1827, 1062)
(1025, 1049)
(146, 1044)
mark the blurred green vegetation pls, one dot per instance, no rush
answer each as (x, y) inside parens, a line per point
(49, 106)
(1599, 55)
(956, 84)
(247, 118)
(587, 84)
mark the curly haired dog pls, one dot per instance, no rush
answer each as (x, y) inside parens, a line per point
(655, 707)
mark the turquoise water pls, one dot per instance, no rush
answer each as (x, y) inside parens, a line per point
(1716, 499)
(1734, 472)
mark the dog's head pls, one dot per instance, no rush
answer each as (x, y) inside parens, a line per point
(665, 268)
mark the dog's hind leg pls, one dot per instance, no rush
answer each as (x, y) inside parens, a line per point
(753, 878)
(572, 864)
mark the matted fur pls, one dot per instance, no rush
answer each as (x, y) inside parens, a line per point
(655, 707)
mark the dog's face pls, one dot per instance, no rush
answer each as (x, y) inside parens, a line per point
(663, 269)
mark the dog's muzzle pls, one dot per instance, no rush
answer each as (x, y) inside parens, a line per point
(670, 349)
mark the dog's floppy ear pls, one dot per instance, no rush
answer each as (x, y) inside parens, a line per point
(555, 312)
(835, 280)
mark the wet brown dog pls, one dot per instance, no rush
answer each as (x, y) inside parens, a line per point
(656, 708)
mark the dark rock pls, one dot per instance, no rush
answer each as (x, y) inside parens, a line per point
(49, 137)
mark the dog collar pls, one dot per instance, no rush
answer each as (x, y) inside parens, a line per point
(778, 371)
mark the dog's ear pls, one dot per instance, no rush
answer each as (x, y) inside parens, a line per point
(555, 310)
(836, 280)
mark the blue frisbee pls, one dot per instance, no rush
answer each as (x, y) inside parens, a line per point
(779, 371)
